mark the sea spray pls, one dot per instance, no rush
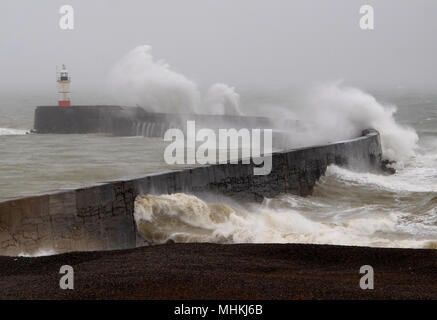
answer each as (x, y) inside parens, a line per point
(139, 79)
(329, 113)
(223, 99)
(333, 112)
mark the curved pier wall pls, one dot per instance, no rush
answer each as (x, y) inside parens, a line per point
(100, 217)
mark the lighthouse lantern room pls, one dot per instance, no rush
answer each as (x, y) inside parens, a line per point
(64, 87)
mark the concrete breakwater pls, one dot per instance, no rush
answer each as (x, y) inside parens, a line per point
(101, 217)
(135, 121)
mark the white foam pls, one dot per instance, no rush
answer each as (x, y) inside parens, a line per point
(39, 253)
(12, 132)
(405, 180)
(185, 218)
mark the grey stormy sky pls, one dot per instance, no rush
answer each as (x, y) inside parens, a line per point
(264, 43)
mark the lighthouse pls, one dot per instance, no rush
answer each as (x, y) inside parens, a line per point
(64, 87)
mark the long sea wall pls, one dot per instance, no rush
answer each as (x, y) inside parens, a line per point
(101, 217)
(134, 121)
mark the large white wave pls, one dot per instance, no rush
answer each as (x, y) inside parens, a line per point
(329, 113)
(334, 112)
(186, 218)
(139, 79)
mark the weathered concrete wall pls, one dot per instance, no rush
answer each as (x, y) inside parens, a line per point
(294, 171)
(94, 218)
(100, 217)
(132, 121)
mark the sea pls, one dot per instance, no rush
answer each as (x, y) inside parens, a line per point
(346, 207)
